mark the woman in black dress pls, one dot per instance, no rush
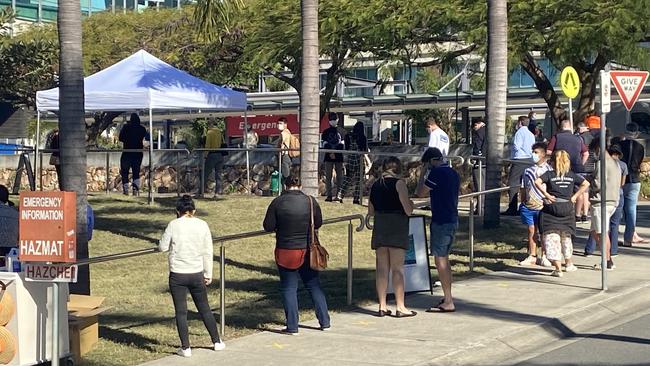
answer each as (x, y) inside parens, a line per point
(557, 220)
(391, 207)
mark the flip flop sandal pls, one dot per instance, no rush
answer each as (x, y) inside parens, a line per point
(439, 309)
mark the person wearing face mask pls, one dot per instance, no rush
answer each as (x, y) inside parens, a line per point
(333, 140)
(442, 185)
(532, 203)
(284, 143)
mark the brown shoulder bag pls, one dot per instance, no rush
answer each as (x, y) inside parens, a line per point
(318, 255)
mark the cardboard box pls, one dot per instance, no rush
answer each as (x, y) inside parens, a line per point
(83, 321)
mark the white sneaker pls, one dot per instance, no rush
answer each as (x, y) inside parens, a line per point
(529, 261)
(184, 352)
(219, 346)
(544, 262)
(556, 273)
(571, 268)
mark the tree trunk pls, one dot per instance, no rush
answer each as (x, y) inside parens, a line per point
(496, 99)
(309, 98)
(545, 87)
(72, 126)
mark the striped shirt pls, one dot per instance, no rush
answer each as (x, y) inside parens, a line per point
(534, 199)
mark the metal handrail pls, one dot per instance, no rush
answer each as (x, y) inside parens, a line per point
(222, 257)
(110, 257)
(471, 216)
(251, 234)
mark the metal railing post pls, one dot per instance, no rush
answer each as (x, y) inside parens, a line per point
(481, 198)
(108, 172)
(471, 235)
(202, 173)
(280, 171)
(178, 174)
(40, 172)
(350, 242)
(362, 175)
(222, 288)
(248, 173)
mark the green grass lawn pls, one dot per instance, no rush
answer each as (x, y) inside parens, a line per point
(140, 324)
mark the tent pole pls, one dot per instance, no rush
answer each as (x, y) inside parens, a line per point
(248, 162)
(38, 140)
(151, 172)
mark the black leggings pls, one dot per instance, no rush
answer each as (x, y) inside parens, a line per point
(179, 284)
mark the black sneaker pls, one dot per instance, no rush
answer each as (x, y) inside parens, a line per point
(583, 218)
(328, 199)
(610, 265)
(588, 254)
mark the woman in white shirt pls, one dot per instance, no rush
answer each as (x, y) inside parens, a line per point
(189, 242)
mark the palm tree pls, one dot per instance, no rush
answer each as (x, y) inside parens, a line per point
(72, 126)
(496, 99)
(309, 98)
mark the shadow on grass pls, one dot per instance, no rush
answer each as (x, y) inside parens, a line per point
(255, 313)
(127, 338)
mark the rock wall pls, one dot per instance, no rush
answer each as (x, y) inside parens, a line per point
(166, 178)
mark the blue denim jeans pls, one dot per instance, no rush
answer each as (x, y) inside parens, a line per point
(289, 289)
(631, 193)
(614, 223)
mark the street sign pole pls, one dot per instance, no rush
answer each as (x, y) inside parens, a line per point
(605, 106)
(571, 113)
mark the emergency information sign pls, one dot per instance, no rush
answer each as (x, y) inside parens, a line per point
(48, 222)
(50, 272)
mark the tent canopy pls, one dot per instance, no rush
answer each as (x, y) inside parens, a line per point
(142, 81)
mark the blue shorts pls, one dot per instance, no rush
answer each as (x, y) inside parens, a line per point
(442, 238)
(528, 217)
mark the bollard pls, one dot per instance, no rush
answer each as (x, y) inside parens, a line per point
(471, 235)
(350, 240)
(222, 288)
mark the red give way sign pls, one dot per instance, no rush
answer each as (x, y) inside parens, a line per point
(629, 85)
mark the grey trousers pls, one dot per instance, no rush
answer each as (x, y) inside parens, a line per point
(214, 163)
(329, 167)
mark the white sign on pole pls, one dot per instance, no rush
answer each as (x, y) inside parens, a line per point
(605, 92)
(629, 85)
(50, 272)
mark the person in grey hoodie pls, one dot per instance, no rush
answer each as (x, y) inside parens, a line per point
(613, 184)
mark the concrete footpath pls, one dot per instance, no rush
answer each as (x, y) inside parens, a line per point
(500, 316)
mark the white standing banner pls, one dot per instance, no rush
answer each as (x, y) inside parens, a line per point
(417, 277)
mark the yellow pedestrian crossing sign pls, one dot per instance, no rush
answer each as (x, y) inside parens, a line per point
(570, 82)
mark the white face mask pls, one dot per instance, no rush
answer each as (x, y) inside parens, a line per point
(536, 158)
(281, 126)
(333, 123)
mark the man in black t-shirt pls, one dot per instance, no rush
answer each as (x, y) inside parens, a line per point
(132, 136)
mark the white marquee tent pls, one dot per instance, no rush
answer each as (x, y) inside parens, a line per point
(143, 82)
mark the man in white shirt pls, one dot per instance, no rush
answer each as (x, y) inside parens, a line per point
(437, 137)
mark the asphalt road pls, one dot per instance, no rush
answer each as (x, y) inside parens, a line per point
(626, 344)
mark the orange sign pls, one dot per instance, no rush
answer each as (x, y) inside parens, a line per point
(48, 223)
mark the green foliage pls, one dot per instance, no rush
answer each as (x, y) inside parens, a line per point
(28, 63)
(7, 16)
(645, 187)
(575, 32)
(275, 84)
